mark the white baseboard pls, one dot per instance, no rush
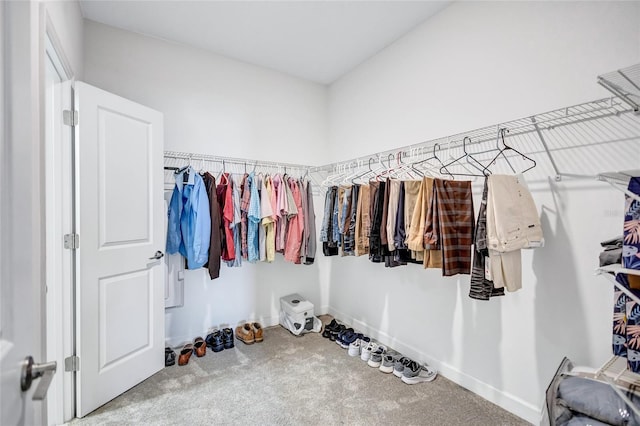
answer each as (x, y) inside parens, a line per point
(505, 400)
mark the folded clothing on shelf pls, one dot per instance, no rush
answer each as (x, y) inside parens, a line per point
(597, 400)
(612, 253)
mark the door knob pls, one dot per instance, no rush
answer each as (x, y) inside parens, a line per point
(32, 371)
(158, 255)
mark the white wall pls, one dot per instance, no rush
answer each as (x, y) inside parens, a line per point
(476, 64)
(215, 105)
(211, 104)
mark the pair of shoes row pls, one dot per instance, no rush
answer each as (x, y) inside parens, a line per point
(249, 333)
(340, 334)
(198, 347)
(376, 355)
(219, 340)
(216, 341)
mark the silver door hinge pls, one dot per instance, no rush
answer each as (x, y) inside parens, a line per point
(69, 117)
(71, 241)
(72, 363)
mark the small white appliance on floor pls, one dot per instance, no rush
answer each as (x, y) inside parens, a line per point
(296, 315)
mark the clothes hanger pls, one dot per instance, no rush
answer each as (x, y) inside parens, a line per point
(329, 180)
(467, 155)
(223, 177)
(360, 175)
(413, 165)
(433, 156)
(185, 169)
(386, 171)
(182, 169)
(403, 169)
(507, 148)
(424, 160)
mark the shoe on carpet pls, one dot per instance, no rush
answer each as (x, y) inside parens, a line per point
(327, 328)
(354, 348)
(185, 354)
(365, 351)
(376, 356)
(227, 338)
(333, 334)
(257, 332)
(199, 347)
(388, 362)
(399, 365)
(244, 333)
(215, 341)
(348, 338)
(169, 357)
(341, 334)
(415, 373)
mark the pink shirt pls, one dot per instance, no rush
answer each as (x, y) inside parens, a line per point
(295, 230)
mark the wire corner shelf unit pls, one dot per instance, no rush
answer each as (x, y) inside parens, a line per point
(625, 84)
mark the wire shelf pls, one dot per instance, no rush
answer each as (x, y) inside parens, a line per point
(624, 83)
(577, 140)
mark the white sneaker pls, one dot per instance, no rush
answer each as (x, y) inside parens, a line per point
(354, 348)
(365, 351)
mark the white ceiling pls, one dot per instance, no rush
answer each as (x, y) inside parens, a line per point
(315, 40)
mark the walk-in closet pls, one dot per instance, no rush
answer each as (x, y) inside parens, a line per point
(311, 212)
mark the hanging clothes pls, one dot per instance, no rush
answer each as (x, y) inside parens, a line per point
(234, 225)
(189, 224)
(512, 224)
(262, 235)
(348, 248)
(377, 251)
(391, 256)
(305, 224)
(399, 236)
(245, 198)
(253, 217)
(224, 194)
(394, 195)
(215, 241)
(329, 245)
(482, 287)
(402, 255)
(415, 238)
(281, 208)
(345, 214)
(450, 226)
(411, 192)
(363, 221)
(335, 230)
(295, 225)
(310, 227)
(267, 206)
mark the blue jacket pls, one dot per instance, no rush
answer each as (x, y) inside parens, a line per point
(189, 228)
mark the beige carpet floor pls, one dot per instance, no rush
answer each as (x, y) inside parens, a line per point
(288, 380)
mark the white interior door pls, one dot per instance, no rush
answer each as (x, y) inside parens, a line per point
(21, 201)
(120, 290)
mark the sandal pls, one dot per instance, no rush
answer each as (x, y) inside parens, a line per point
(200, 348)
(185, 354)
(169, 357)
